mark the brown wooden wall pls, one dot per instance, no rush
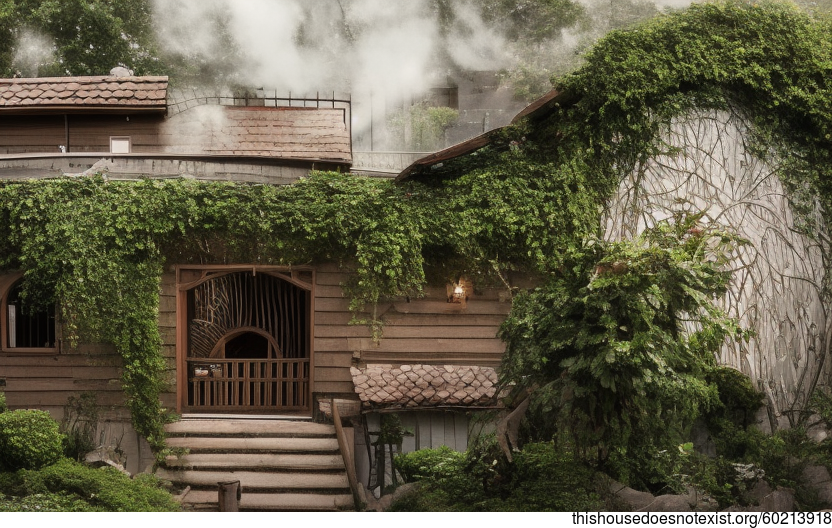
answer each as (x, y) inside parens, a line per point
(46, 381)
(427, 330)
(87, 133)
(303, 133)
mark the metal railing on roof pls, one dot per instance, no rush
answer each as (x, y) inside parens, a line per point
(180, 100)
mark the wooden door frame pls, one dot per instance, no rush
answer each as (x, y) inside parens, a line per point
(197, 274)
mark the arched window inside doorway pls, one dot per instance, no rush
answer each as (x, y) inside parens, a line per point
(248, 342)
(248, 345)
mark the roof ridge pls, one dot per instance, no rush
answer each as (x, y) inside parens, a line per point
(87, 78)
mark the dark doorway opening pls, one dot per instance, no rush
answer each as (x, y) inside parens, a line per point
(247, 346)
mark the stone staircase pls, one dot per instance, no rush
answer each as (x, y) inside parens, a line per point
(282, 465)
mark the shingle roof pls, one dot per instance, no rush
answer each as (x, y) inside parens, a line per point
(84, 93)
(425, 386)
(290, 133)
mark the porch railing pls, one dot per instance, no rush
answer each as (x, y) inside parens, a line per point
(243, 385)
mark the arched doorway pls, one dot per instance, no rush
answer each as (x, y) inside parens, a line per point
(248, 343)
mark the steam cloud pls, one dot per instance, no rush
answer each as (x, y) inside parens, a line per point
(306, 46)
(388, 51)
(31, 52)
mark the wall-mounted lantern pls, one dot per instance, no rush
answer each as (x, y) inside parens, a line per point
(459, 291)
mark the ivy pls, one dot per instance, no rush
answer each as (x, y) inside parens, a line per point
(532, 200)
(98, 247)
(601, 341)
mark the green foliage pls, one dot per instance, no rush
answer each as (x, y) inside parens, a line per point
(81, 488)
(618, 343)
(28, 439)
(532, 20)
(421, 128)
(79, 425)
(3, 407)
(541, 478)
(440, 463)
(767, 60)
(391, 432)
(84, 37)
(730, 421)
(44, 502)
(739, 401)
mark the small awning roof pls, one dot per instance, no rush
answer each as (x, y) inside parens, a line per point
(382, 387)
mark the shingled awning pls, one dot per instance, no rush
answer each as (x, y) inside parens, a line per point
(413, 387)
(84, 94)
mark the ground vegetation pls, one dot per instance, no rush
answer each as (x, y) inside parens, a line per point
(617, 366)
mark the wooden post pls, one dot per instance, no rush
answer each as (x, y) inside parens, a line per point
(229, 496)
(349, 463)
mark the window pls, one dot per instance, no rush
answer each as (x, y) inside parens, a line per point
(120, 144)
(22, 329)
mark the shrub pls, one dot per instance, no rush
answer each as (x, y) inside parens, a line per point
(439, 463)
(3, 407)
(43, 502)
(29, 440)
(543, 477)
(81, 488)
(79, 425)
(448, 484)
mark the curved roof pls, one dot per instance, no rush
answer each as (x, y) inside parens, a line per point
(425, 386)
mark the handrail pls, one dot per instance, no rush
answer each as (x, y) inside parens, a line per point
(343, 446)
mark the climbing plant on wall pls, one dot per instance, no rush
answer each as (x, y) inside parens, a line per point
(98, 247)
(528, 201)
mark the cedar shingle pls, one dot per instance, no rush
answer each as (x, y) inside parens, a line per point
(424, 386)
(124, 92)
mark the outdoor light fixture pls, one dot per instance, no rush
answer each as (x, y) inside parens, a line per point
(458, 291)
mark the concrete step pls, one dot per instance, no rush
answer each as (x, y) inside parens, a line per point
(282, 465)
(204, 500)
(273, 445)
(252, 480)
(251, 428)
(257, 461)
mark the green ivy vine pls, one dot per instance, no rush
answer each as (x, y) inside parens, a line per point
(528, 201)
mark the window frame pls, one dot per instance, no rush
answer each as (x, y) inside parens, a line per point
(119, 140)
(7, 283)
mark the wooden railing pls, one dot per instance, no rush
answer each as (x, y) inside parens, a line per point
(248, 384)
(349, 461)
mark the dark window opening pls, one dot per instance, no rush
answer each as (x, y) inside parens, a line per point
(247, 346)
(28, 328)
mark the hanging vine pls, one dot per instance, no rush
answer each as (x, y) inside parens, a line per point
(527, 201)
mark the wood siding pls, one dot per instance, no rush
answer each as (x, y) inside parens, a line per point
(87, 133)
(46, 381)
(297, 133)
(427, 330)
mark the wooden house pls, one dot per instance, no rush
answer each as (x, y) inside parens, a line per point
(243, 341)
